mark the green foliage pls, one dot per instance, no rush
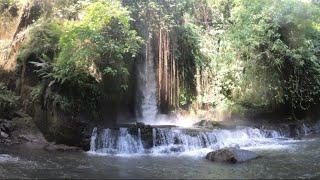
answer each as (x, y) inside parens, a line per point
(88, 60)
(189, 58)
(67, 9)
(43, 41)
(267, 54)
(37, 92)
(254, 54)
(235, 55)
(97, 48)
(9, 102)
(64, 102)
(4, 5)
(153, 14)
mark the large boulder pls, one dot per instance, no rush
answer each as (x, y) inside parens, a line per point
(62, 127)
(231, 155)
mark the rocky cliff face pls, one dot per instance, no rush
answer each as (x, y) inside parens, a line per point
(14, 22)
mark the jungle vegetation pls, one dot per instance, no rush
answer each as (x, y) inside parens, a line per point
(226, 55)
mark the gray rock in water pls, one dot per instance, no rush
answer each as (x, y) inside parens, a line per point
(177, 149)
(5, 126)
(3, 134)
(232, 155)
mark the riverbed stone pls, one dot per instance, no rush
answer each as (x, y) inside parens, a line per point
(231, 155)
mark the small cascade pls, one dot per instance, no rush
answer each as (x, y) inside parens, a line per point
(167, 140)
(93, 140)
(115, 142)
(140, 145)
(154, 135)
(182, 140)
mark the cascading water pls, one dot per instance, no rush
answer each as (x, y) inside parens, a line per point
(115, 142)
(168, 141)
(147, 86)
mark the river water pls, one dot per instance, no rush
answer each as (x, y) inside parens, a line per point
(284, 159)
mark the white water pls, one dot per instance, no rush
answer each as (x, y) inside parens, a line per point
(7, 158)
(182, 141)
(115, 142)
(148, 87)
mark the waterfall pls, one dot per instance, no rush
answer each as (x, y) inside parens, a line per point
(169, 141)
(93, 140)
(147, 85)
(110, 141)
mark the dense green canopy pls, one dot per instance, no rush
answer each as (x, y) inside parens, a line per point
(259, 54)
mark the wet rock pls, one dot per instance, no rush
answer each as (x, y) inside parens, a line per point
(5, 126)
(62, 127)
(207, 124)
(61, 148)
(146, 133)
(294, 131)
(231, 155)
(3, 134)
(176, 149)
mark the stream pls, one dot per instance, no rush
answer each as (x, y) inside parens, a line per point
(280, 158)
